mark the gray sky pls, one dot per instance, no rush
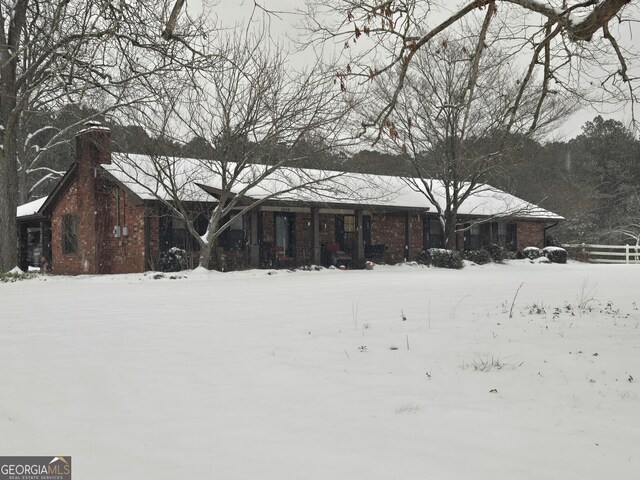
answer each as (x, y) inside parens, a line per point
(232, 12)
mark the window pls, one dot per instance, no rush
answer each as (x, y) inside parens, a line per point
(69, 234)
(500, 233)
(472, 237)
(181, 236)
(504, 234)
(233, 237)
(285, 233)
(433, 235)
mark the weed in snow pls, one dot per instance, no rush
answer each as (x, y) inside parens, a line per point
(408, 408)
(585, 296)
(484, 364)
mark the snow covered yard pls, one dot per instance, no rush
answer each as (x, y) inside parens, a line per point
(316, 375)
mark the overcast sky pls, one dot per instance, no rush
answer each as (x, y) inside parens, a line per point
(231, 12)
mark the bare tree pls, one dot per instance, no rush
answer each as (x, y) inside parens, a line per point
(448, 122)
(90, 52)
(581, 47)
(260, 118)
(630, 231)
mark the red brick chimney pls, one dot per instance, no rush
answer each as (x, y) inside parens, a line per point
(93, 144)
(93, 147)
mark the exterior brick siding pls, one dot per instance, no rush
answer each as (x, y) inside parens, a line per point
(389, 229)
(99, 205)
(92, 200)
(530, 234)
(303, 239)
(416, 236)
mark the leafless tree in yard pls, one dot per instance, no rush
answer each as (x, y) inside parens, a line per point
(92, 52)
(581, 47)
(261, 119)
(448, 122)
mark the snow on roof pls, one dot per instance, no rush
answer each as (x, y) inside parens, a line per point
(30, 208)
(147, 177)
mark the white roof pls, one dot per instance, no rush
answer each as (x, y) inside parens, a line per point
(145, 176)
(30, 208)
(140, 173)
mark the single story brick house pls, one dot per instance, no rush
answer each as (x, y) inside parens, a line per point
(98, 220)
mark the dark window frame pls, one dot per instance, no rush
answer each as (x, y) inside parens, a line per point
(433, 233)
(70, 239)
(234, 237)
(472, 237)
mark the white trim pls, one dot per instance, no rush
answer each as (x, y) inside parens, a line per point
(270, 208)
(337, 211)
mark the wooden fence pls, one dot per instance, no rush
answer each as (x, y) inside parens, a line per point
(604, 253)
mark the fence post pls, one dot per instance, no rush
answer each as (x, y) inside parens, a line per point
(627, 252)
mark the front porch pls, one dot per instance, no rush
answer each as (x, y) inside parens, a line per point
(34, 242)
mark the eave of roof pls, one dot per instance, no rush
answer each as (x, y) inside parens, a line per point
(62, 184)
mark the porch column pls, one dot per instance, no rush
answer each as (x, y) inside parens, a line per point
(254, 248)
(359, 253)
(407, 236)
(315, 236)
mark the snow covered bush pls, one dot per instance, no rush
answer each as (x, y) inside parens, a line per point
(173, 260)
(478, 256)
(531, 253)
(497, 252)
(14, 276)
(441, 258)
(555, 254)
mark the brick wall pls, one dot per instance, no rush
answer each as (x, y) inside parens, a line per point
(416, 236)
(530, 234)
(303, 238)
(72, 263)
(124, 254)
(153, 220)
(389, 229)
(97, 203)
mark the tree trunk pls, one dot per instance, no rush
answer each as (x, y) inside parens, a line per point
(8, 205)
(210, 256)
(8, 124)
(205, 256)
(450, 219)
(8, 173)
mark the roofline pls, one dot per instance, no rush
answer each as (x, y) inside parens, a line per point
(216, 192)
(57, 189)
(113, 179)
(32, 217)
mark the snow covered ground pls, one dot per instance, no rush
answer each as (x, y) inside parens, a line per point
(315, 375)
